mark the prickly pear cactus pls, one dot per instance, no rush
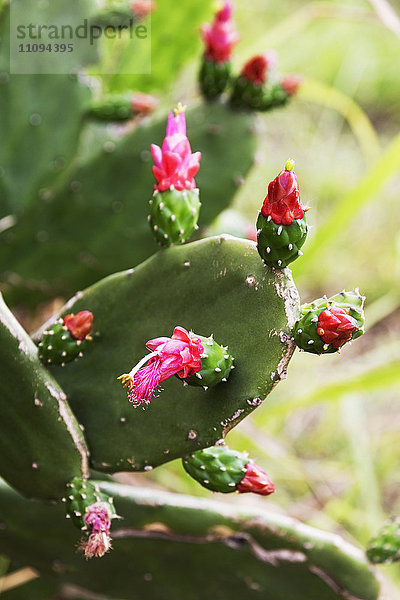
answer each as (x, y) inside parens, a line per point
(67, 339)
(173, 288)
(42, 446)
(216, 364)
(240, 550)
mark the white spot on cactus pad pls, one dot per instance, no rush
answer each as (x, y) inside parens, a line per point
(192, 434)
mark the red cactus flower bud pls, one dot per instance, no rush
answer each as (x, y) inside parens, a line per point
(179, 355)
(143, 103)
(282, 203)
(256, 480)
(174, 162)
(79, 325)
(291, 83)
(256, 69)
(141, 8)
(221, 36)
(98, 519)
(336, 326)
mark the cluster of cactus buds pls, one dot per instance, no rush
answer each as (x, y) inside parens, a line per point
(328, 323)
(67, 339)
(92, 512)
(281, 225)
(258, 87)
(195, 359)
(221, 469)
(175, 206)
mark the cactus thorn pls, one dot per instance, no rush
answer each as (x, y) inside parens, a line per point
(205, 388)
(280, 229)
(290, 247)
(224, 379)
(173, 218)
(299, 253)
(268, 249)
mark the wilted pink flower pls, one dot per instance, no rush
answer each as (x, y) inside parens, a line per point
(143, 103)
(179, 355)
(282, 202)
(79, 325)
(174, 163)
(98, 519)
(291, 83)
(256, 69)
(256, 480)
(220, 36)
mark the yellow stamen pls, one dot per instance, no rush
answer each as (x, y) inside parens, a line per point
(179, 109)
(126, 380)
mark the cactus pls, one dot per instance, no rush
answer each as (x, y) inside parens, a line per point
(219, 39)
(217, 364)
(137, 305)
(281, 225)
(240, 550)
(30, 264)
(35, 411)
(385, 546)
(67, 339)
(221, 469)
(328, 323)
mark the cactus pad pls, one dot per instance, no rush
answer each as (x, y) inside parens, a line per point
(174, 215)
(180, 286)
(41, 444)
(243, 552)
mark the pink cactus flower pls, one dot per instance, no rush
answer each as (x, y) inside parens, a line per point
(179, 355)
(336, 326)
(98, 519)
(79, 325)
(257, 68)
(256, 480)
(291, 83)
(282, 203)
(143, 103)
(174, 163)
(220, 36)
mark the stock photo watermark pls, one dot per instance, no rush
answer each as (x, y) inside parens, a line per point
(45, 41)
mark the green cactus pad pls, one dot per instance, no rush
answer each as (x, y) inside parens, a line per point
(58, 347)
(175, 546)
(41, 443)
(218, 468)
(217, 364)
(71, 253)
(279, 245)
(385, 547)
(213, 78)
(80, 495)
(305, 330)
(174, 215)
(112, 108)
(203, 287)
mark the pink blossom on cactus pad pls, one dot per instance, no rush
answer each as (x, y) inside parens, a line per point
(256, 480)
(179, 355)
(174, 163)
(336, 327)
(98, 520)
(220, 36)
(256, 69)
(282, 203)
(79, 325)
